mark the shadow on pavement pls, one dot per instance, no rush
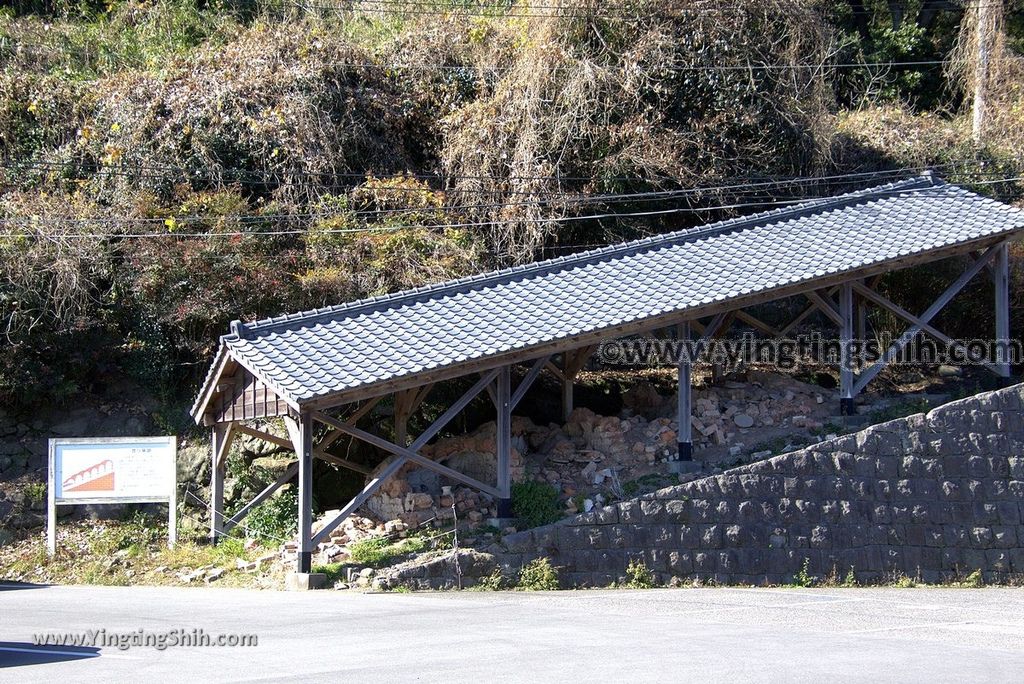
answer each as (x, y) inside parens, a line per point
(12, 586)
(15, 653)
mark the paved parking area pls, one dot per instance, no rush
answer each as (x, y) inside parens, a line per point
(726, 635)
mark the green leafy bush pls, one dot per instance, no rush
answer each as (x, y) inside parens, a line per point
(274, 520)
(538, 575)
(638, 576)
(803, 578)
(377, 551)
(535, 503)
(496, 581)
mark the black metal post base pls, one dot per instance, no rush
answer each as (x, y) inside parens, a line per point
(504, 508)
(685, 452)
(846, 407)
(305, 561)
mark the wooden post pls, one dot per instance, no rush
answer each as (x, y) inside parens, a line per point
(567, 380)
(304, 451)
(1001, 276)
(402, 411)
(504, 442)
(846, 349)
(984, 37)
(218, 468)
(684, 434)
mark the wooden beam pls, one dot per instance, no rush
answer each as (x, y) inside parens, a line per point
(811, 308)
(1001, 277)
(825, 306)
(714, 328)
(352, 506)
(220, 444)
(579, 360)
(926, 317)
(846, 349)
(333, 436)
(756, 324)
(343, 462)
(225, 443)
(268, 437)
(403, 409)
(503, 439)
(304, 450)
(375, 483)
(555, 370)
(408, 453)
(684, 412)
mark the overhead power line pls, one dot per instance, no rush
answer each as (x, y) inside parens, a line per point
(442, 226)
(425, 66)
(242, 175)
(748, 186)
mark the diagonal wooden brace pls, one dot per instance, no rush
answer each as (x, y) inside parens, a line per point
(937, 306)
(374, 484)
(288, 474)
(527, 381)
(886, 303)
(407, 453)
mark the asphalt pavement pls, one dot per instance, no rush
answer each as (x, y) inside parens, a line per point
(710, 634)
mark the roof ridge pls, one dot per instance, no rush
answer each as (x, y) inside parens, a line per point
(268, 325)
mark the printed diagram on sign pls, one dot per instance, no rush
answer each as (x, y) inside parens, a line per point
(96, 478)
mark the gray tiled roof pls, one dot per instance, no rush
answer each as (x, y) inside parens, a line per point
(316, 354)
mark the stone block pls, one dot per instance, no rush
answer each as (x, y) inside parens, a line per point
(519, 542)
(704, 562)
(630, 512)
(677, 511)
(680, 562)
(1004, 537)
(995, 490)
(653, 511)
(305, 581)
(1008, 512)
(690, 536)
(997, 560)
(711, 536)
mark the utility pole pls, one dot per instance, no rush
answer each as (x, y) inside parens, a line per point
(985, 31)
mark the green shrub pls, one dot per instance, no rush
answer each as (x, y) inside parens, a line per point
(377, 551)
(335, 571)
(275, 519)
(35, 491)
(538, 575)
(972, 581)
(535, 503)
(803, 578)
(496, 581)
(638, 576)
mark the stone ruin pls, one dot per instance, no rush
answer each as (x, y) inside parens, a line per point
(591, 460)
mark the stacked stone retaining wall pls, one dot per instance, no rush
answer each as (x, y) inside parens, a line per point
(933, 496)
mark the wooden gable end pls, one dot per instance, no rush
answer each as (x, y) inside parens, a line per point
(241, 396)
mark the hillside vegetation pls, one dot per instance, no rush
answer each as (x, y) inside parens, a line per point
(170, 165)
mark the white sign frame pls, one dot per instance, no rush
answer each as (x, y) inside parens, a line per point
(170, 498)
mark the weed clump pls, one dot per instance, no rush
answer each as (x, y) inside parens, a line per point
(538, 575)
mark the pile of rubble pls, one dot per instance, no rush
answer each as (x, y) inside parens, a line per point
(592, 459)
